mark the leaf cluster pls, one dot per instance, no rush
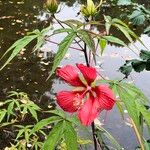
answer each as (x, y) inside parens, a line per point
(137, 65)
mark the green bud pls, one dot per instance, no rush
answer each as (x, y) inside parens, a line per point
(89, 9)
(51, 6)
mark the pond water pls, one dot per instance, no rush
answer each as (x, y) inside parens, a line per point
(29, 71)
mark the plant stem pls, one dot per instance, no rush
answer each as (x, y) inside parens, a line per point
(94, 136)
(139, 138)
(59, 22)
(93, 126)
(58, 44)
(85, 54)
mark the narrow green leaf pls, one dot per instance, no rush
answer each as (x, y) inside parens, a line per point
(75, 22)
(124, 30)
(20, 133)
(63, 47)
(10, 109)
(114, 40)
(108, 23)
(63, 30)
(87, 39)
(129, 101)
(45, 122)
(109, 137)
(70, 136)
(17, 47)
(144, 112)
(116, 20)
(33, 113)
(54, 137)
(2, 114)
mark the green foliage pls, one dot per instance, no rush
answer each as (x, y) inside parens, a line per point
(121, 26)
(16, 106)
(139, 15)
(23, 42)
(137, 64)
(147, 31)
(69, 131)
(102, 44)
(63, 47)
(115, 40)
(102, 133)
(134, 101)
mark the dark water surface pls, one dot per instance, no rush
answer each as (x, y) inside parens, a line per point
(28, 72)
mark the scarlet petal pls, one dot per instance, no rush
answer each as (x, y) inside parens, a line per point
(89, 111)
(65, 100)
(89, 73)
(105, 97)
(70, 75)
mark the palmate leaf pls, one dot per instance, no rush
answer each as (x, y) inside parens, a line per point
(54, 136)
(128, 33)
(63, 47)
(134, 101)
(17, 47)
(130, 104)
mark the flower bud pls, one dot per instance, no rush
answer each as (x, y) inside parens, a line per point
(51, 6)
(89, 9)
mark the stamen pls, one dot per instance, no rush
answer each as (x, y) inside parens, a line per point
(78, 101)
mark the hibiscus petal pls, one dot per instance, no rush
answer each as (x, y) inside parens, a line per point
(70, 75)
(89, 73)
(105, 97)
(89, 111)
(68, 101)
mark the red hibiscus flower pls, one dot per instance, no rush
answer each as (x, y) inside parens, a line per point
(86, 99)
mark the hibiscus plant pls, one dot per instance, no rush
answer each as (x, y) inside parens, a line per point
(91, 93)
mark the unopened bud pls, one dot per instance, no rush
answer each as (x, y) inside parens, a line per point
(89, 9)
(51, 6)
